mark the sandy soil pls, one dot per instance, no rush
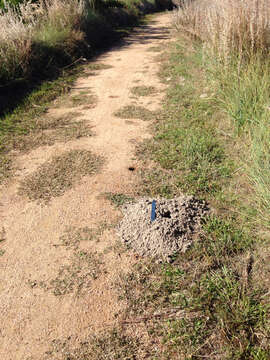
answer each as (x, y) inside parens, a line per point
(31, 316)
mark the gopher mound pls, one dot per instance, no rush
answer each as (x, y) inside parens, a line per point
(161, 228)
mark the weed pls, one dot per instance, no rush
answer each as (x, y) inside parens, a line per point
(59, 174)
(2, 252)
(135, 112)
(143, 90)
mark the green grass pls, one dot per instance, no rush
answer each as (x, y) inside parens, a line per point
(243, 94)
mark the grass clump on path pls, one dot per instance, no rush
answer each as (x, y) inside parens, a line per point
(135, 112)
(143, 90)
(50, 131)
(118, 199)
(59, 174)
(98, 66)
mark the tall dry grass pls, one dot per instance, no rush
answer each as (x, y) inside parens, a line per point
(48, 22)
(237, 33)
(227, 26)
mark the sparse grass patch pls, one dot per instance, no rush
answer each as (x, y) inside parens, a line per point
(98, 66)
(155, 49)
(83, 99)
(73, 237)
(5, 167)
(135, 112)
(84, 268)
(143, 90)
(59, 174)
(110, 345)
(74, 278)
(62, 132)
(118, 199)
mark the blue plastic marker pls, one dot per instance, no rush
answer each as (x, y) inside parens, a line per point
(153, 211)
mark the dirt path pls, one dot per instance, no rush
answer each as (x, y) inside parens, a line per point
(45, 245)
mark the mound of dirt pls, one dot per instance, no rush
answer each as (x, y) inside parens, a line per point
(172, 228)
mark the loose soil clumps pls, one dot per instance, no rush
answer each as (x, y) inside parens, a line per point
(176, 223)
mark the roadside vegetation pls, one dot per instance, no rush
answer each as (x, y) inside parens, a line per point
(41, 37)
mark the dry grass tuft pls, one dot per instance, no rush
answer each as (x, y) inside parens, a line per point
(48, 123)
(98, 66)
(59, 174)
(155, 49)
(49, 131)
(84, 99)
(135, 112)
(143, 90)
(227, 25)
(108, 345)
(5, 167)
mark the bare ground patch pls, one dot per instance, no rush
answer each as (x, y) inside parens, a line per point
(59, 174)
